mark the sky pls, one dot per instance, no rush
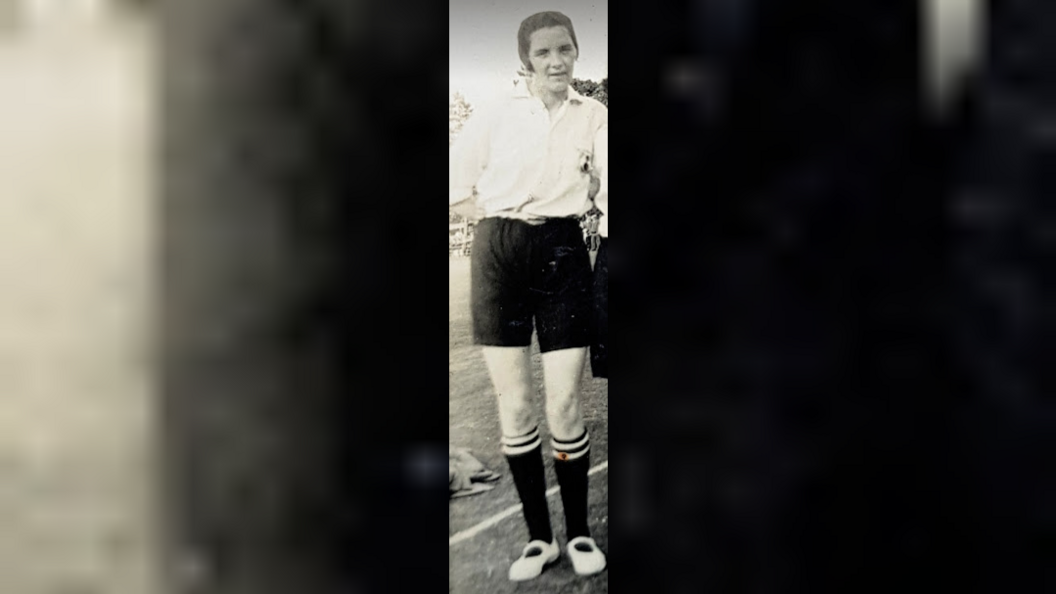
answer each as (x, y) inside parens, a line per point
(483, 50)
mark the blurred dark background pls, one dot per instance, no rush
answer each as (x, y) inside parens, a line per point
(799, 406)
(294, 307)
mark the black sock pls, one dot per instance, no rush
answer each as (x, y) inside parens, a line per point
(571, 463)
(525, 456)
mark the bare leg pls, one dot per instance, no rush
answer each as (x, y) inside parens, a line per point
(510, 371)
(563, 371)
(571, 448)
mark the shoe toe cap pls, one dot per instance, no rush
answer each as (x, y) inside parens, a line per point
(586, 558)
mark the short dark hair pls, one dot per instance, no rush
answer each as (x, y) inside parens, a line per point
(541, 20)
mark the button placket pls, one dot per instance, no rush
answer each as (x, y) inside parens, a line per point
(542, 131)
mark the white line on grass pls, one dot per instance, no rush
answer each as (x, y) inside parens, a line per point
(509, 511)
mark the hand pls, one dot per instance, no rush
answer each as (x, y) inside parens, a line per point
(595, 186)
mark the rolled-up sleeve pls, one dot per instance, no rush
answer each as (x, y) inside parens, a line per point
(469, 157)
(601, 166)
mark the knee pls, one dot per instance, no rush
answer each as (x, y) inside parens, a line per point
(517, 409)
(563, 408)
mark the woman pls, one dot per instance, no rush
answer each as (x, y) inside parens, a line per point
(527, 165)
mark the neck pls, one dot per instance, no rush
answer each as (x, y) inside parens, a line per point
(549, 98)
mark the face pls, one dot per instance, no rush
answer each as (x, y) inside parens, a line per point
(552, 55)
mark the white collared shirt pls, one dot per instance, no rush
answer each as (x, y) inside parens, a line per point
(518, 161)
(601, 166)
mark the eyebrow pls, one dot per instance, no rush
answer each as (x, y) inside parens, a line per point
(543, 50)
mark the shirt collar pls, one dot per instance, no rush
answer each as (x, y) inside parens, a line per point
(520, 91)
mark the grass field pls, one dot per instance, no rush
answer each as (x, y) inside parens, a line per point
(479, 563)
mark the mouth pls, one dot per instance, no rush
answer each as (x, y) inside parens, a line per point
(561, 75)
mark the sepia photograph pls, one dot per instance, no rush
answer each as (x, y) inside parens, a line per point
(528, 324)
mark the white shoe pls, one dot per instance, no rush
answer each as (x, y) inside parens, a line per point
(536, 555)
(587, 558)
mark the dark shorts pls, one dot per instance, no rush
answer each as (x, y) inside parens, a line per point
(599, 354)
(524, 273)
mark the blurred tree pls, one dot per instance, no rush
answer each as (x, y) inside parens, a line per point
(590, 88)
(458, 112)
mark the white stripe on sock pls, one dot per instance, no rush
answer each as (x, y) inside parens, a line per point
(559, 455)
(524, 449)
(565, 447)
(531, 436)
